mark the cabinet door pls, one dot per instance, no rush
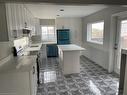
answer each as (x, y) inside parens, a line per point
(23, 16)
(14, 15)
(22, 19)
(52, 50)
(33, 80)
(3, 24)
(13, 20)
(19, 18)
(9, 20)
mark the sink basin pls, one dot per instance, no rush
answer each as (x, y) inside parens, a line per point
(33, 46)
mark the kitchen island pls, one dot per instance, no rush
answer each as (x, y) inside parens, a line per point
(69, 58)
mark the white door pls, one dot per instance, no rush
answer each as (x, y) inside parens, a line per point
(120, 42)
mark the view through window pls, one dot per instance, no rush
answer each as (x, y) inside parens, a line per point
(48, 33)
(123, 41)
(124, 34)
(95, 32)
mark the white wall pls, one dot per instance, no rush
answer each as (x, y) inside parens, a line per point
(100, 53)
(43, 22)
(75, 26)
(5, 49)
(47, 22)
(37, 26)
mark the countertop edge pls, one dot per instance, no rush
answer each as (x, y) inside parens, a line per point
(124, 51)
(67, 47)
(16, 64)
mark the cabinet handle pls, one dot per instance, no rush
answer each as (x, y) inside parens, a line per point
(33, 70)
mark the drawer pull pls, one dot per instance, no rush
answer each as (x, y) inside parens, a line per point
(33, 70)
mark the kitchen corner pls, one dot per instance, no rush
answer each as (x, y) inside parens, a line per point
(19, 74)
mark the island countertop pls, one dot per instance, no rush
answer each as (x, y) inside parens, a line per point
(70, 47)
(18, 64)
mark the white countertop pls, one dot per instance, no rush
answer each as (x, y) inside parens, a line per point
(37, 46)
(34, 47)
(70, 47)
(18, 64)
(21, 63)
(124, 51)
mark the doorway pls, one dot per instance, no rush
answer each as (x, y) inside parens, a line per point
(120, 42)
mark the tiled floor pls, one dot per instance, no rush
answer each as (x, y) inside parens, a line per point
(92, 80)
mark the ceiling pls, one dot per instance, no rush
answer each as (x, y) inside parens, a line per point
(48, 11)
(74, 2)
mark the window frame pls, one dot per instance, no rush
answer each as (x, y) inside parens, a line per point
(89, 32)
(55, 37)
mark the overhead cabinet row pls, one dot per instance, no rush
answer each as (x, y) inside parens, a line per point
(16, 17)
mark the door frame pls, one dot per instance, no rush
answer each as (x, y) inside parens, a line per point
(115, 31)
(118, 42)
(117, 46)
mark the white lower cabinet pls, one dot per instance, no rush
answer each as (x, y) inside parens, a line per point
(69, 58)
(19, 83)
(33, 79)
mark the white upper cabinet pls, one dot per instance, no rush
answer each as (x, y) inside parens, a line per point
(18, 17)
(3, 24)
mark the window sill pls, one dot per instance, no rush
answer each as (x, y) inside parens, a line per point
(94, 42)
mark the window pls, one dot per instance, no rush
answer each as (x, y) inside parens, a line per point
(48, 33)
(124, 34)
(95, 32)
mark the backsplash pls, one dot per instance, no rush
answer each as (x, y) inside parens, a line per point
(21, 43)
(5, 49)
(36, 39)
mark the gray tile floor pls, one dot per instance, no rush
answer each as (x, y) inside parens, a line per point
(92, 80)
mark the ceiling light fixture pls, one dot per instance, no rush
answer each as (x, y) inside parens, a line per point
(58, 15)
(61, 9)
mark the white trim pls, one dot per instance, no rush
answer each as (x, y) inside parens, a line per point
(120, 14)
(9, 93)
(55, 34)
(125, 80)
(89, 31)
(117, 41)
(95, 42)
(114, 18)
(95, 22)
(111, 46)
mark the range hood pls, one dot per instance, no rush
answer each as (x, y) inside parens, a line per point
(26, 31)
